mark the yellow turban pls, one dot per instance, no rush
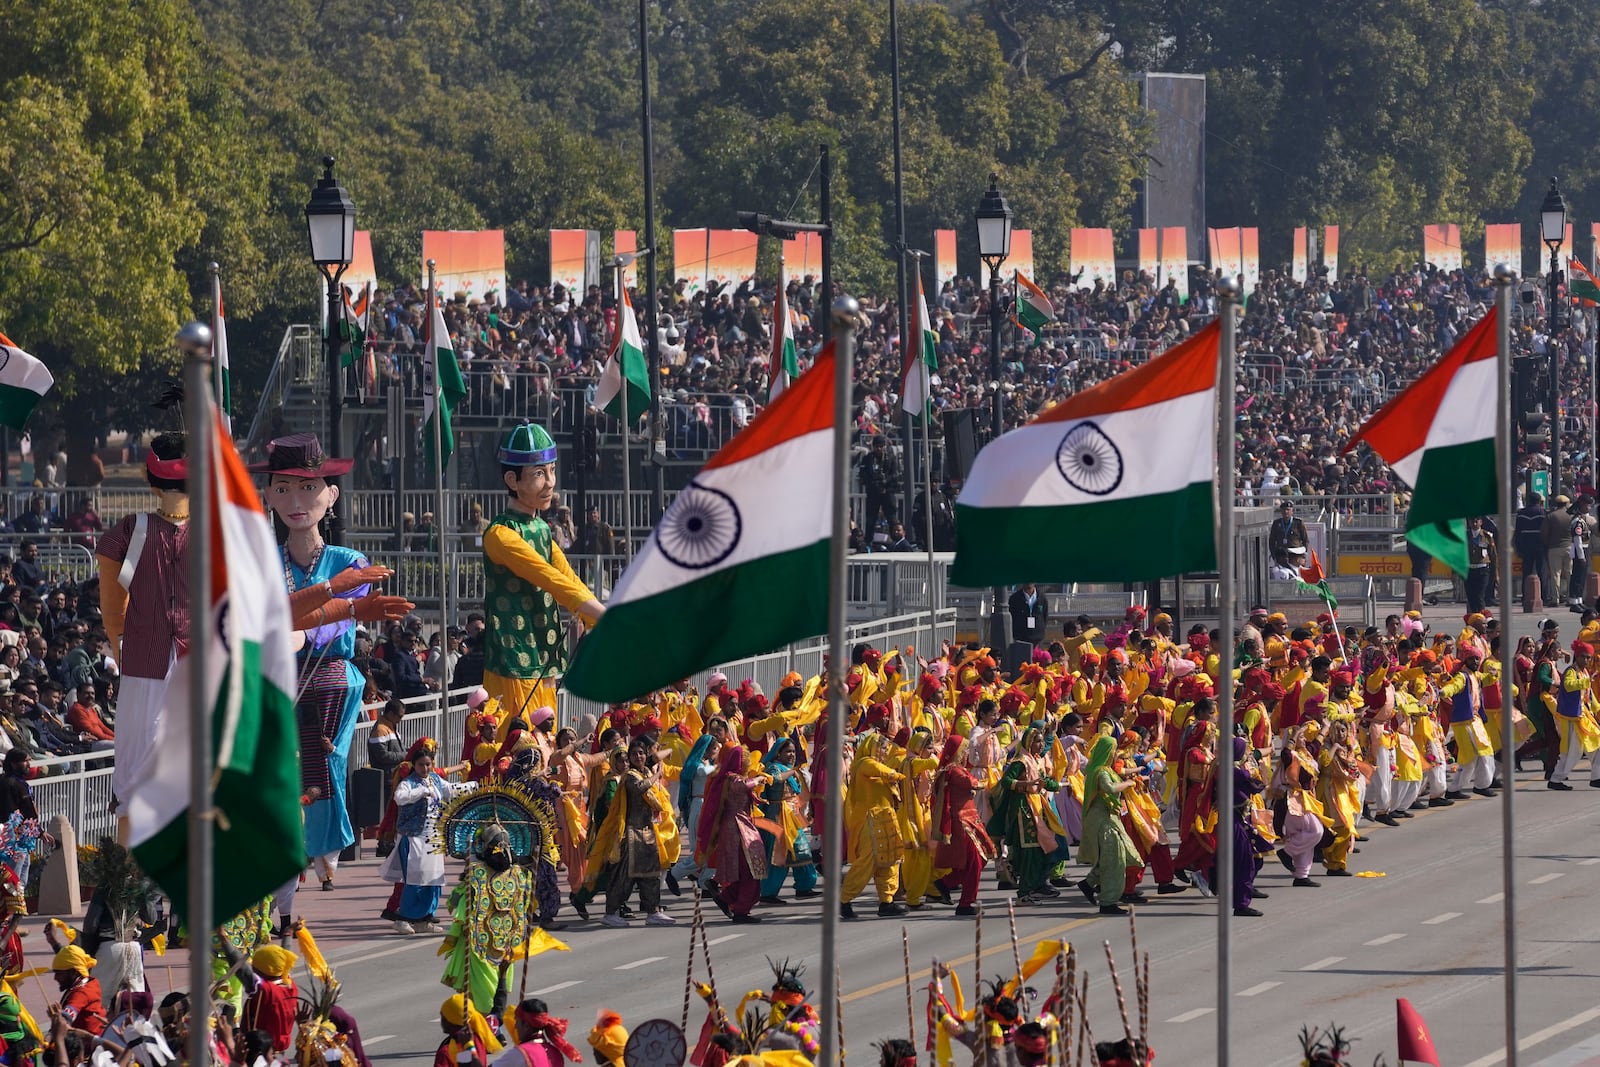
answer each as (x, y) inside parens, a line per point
(609, 1037)
(457, 1011)
(72, 958)
(272, 961)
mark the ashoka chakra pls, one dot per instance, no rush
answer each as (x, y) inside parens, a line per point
(1089, 460)
(700, 529)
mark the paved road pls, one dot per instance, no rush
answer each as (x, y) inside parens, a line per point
(1430, 930)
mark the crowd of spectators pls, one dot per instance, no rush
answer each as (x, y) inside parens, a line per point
(1316, 359)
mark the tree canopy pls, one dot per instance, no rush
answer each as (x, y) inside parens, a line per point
(142, 139)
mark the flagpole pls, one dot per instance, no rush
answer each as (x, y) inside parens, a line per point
(1503, 279)
(934, 597)
(199, 920)
(844, 310)
(216, 331)
(1226, 476)
(627, 488)
(438, 475)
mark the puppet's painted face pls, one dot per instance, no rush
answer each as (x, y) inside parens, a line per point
(299, 501)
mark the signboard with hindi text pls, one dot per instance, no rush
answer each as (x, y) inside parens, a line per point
(472, 262)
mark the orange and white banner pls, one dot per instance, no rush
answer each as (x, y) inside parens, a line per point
(1227, 251)
(472, 262)
(1441, 246)
(1094, 253)
(1502, 243)
(731, 258)
(1330, 250)
(944, 259)
(623, 242)
(1175, 258)
(1022, 253)
(568, 250)
(362, 271)
(1149, 251)
(1300, 259)
(802, 256)
(1251, 239)
(690, 252)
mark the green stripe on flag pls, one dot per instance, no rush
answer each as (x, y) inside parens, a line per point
(16, 404)
(1444, 541)
(1133, 539)
(754, 607)
(1454, 482)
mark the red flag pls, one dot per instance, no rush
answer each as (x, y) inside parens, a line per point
(1416, 1044)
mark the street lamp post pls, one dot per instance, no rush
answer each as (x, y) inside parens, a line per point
(993, 218)
(331, 226)
(1553, 229)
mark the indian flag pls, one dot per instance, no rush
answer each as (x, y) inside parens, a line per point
(1114, 484)
(353, 325)
(785, 358)
(258, 840)
(1438, 436)
(737, 566)
(221, 379)
(441, 374)
(23, 380)
(1583, 285)
(922, 355)
(626, 365)
(1034, 310)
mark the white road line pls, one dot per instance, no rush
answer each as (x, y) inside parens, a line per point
(558, 987)
(1495, 899)
(1539, 1037)
(1323, 964)
(1257, 990)
(408, 946)
(378, 1039)
(1543, 878)
(1191, 1016)
(639, 963)
(1443, 918)
(1589, 862)
(723, 939)
(1384, 940)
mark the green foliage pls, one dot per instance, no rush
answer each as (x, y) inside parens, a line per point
(141, 139)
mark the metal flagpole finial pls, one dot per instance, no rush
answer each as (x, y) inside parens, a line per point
(432, 263)
(1227, 288)
(1503, 274)
(213, 268)
(194, 340)
(845, 311)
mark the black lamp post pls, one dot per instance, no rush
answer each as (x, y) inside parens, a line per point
(1553, 229)
(331, 226)
(993, 218)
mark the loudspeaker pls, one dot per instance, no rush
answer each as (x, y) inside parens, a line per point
(367, 796)
(1017, 654)
(960, 443)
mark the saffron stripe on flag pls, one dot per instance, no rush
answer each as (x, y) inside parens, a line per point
(1189, 368)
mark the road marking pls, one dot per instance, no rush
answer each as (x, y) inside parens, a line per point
(380, 1038)
(1539, 1037)
(1444, 918)
(1543, 878)
(899, 983)
(1257, 990)
(408, 946)
(1589, 863)
(1191, 1016)
(1384, 940)
(1323, 964)
(723, 939)
(558, 987)
(639, 963)
(1495, 899)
